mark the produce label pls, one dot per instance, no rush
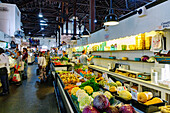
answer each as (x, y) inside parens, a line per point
(78, 84)
(110, 80)
(105, 76)
(134, 93)
(121, 88)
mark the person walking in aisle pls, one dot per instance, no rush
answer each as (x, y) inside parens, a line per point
(25, 59)
(42, 67)
(19, 64)
(84, 58)
(4, 70)
(48, 62)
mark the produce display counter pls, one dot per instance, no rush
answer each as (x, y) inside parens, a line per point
(63, 98)
(65, 103)
(61, 67)
(148, 84)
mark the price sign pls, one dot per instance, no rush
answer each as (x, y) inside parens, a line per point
(110, 80)
(107, 87)
(121, 88)
(78, 84)
(105, 76)
(134, 93)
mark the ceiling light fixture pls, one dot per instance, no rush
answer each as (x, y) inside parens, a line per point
(43, 24)
(73, 38)
(40, 14)
(42, 28)
(42, 21)
(111, 19)
(43, 35)
(29, 33)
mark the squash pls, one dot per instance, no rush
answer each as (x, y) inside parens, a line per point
(112, 89)
(153, 101)
(144, 96)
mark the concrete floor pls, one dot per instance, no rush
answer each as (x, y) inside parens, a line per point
(30, 97)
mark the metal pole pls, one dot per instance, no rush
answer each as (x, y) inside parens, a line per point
(92, 16)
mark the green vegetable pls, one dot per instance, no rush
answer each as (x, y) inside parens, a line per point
(91, 83)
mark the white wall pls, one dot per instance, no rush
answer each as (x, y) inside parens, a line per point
(10, 19)
(135, 25)
(49, 42)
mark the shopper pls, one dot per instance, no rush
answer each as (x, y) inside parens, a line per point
(4, 70)
(42, 67)
(48, 62)
(19, 65)
(25, 59)
(65, 54)
(84, 58)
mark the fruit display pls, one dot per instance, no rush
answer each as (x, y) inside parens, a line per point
(112, 89)
(125, 95)
(90, 98)
(155, 100)
(55, 58)
(165, 109)
(69, 78)
(118, 83)
(144, 96)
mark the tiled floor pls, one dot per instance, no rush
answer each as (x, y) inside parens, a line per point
(30, 97)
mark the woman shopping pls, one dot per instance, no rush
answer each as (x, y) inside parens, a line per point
(19, 66)
(25, 59)
(4, 70)
(42, 67)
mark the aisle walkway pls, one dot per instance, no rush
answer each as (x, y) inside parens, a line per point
(30, 97)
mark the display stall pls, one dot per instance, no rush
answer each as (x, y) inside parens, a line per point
(74, 92)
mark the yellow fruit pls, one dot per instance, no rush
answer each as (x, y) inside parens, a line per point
(118, 83)
(144, 96)
(112, 89)
(125, 95)
(153, 101)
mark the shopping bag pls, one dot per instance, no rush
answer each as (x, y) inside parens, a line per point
(16, 77)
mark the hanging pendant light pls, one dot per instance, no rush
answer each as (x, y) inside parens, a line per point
(85, 33)
(73, 38)
(111, 19)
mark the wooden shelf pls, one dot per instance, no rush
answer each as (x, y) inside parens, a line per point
(126, 60)
(121, 50)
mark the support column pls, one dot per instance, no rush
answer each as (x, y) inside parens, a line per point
(92, 16)
(67, 19)
(59, 35)
(62, 19)
(74, 13)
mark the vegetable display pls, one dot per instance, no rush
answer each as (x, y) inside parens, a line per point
(90, 109)
(101, 102)
(127, 109)
(91, 83)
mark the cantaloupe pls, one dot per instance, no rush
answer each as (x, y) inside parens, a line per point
(153, 101)
(144, 96)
